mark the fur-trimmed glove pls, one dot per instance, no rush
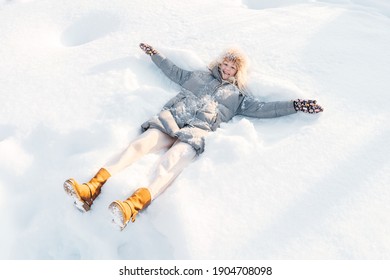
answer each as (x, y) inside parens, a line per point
(307, 106)
(149, 50)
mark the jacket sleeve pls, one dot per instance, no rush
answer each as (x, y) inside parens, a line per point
(252, 107)
(173, 72)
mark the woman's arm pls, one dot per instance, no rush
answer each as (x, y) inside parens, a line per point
(252, 107)
(173, 72)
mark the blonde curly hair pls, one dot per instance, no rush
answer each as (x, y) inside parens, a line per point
(240, 60)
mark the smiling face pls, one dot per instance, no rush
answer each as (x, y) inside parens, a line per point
(228, 69)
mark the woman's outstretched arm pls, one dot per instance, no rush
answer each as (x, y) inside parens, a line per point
(172, 71)
(252, 107)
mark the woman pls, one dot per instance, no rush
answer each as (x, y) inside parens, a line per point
(207, 98)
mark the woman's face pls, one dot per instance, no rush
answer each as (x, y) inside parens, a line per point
(228, 69)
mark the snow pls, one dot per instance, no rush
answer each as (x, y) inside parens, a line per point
(75, 88)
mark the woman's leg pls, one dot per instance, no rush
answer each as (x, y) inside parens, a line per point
(170, 166)
(150, 141)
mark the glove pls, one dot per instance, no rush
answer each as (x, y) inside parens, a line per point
(307, 106)
(149, 50)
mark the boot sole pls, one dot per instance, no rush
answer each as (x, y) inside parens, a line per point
(117, 215)
(69, 187)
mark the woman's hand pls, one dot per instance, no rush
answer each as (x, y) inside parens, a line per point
(149, 50)
(307, 106)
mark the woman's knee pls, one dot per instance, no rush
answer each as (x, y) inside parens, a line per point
(179, 155)
(152, 139)
(185, 150)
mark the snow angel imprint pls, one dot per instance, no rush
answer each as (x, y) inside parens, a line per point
(206, 99)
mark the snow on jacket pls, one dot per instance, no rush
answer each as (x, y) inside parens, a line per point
(204, 102)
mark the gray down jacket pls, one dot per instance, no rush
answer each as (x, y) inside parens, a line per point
(204, 102)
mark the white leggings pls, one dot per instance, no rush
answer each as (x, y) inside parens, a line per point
(173, 161)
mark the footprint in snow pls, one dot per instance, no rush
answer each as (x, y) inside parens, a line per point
(89, 28)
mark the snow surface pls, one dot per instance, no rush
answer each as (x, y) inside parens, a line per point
(75, 87)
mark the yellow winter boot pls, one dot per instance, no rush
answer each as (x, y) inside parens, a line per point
(123, 211)
(85, 194)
